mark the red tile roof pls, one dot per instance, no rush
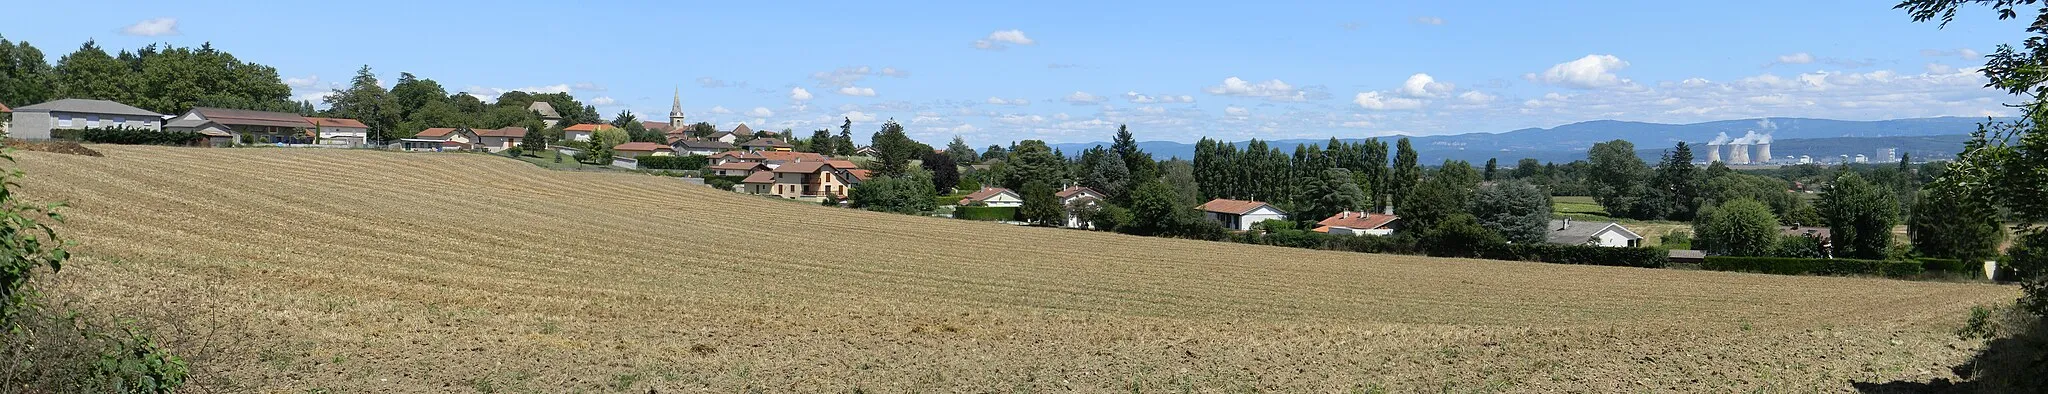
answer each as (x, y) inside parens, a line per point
(984, 194)
(738, 165)
(760, 177)
(842, 164)
(787, 156)
(4, 109)
(587, 127)
(337, 122)
(656, 126)
(1358, 220)
(1071, 191)
(512, 132)
(1234, 207)
(861, 175)
(642, 147)
(804, 167)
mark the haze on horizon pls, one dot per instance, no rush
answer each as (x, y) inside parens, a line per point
(1072, 71)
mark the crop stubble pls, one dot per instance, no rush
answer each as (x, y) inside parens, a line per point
(380, 271)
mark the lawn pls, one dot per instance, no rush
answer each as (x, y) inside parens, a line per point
(547, 160)
(431, 273)
(1584, 208)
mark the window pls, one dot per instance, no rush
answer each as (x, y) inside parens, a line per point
(64, 120)
(92, 121)
(120, 121)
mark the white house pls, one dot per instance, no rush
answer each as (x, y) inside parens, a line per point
(35, 122)
(994, 197)
(1240, 215)
(1078, 197)
(1608, 234)
(582, 132)
(1358, 223)
(339, 131)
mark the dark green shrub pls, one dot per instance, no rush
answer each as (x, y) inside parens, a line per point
(1578, 255)
(1797, 266)
(720, 183)
(1400, 243)
(690, 162)
(948, 200)
(133, 136)
(986, 213)
(1798, 247)
(1946, 265)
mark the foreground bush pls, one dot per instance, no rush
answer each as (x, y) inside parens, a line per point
(1796, 266)
(1578, 255)
(986, 213)
(690, 162)
(130, 136)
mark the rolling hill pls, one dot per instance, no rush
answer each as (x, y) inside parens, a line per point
(431, 272)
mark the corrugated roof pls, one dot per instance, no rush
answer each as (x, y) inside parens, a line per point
(1234, 207)
(88, 107)
(336, 122)
(243, 117)
(642, 147)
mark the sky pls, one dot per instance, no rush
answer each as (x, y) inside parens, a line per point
(997, 72)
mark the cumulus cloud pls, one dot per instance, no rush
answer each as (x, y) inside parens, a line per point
(602, 100)
(153, 27)
(1002, 39)
(857, 91)
(893, 72)
(714, 83)
(1377, 101)
(1003, 101)
(760, 112)
(1236, 111)
(799, 94)
(1429, 20)
(1965, 53)
(1274, 90)
(1476, 97)
(1082, 98)
(1590, 72)
(587, 87)
(720, 110)
(858, 116)
(1424, 86)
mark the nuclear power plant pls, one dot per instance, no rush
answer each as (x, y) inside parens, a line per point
(1739, 149)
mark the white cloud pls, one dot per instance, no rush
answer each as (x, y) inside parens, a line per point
(1965, 53)
(1429, 20)
(602, 100)
(1796, 58)
(1476, 97)
(315, 97)
(1377, 101)
(1274, 90)
(1016, 119)
(760, 112)
(893, 72)
(1590, 72)
(847, 76)
(1424, 86)
(1082, 98)
(857, 91)
(587, 87)
(153, 28)
(306, 82)
(858, 116)
(720, 110)
(1001, 39)
(1002, 101)
(1357, 124)
(714, 83)
(1151, 110)
(1938, 68)
(799, 94)
(1236, 111)
(1137, 98)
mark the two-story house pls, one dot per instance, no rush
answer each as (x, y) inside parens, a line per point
(807, 179)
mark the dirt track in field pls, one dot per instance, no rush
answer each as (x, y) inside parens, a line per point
(362, 271)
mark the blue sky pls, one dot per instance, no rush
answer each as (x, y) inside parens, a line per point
(1072, 71)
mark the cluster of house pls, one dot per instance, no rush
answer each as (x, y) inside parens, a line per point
(221, 127)
(1241, 215)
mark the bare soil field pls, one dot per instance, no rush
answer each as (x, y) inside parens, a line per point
(359, 271)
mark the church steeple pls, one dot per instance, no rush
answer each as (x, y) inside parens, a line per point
(675, 111)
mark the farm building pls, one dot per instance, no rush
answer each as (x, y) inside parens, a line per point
(338, 131)
(1358, 223)
(1240, 215)
(1608, 234)
(217, 135)
(258, 127)
(994, 197)
(35, 122)
(500, 139)
(439, 139)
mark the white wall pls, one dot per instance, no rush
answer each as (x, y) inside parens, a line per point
(1611, 238)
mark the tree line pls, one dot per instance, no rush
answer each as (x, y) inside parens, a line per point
(165, 79)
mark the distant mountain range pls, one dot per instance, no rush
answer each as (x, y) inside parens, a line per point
(1793, 136)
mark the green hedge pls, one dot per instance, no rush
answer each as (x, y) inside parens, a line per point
(1578, 254)
(690, 162)
(1946, 265)
(986, 213)
(948, 200)
(1795, 266)
(133, 136)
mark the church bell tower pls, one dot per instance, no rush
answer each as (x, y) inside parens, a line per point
(675, 112)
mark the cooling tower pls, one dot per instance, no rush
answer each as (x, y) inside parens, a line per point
(1713, 153)
(1738, 153)
(1763, 152)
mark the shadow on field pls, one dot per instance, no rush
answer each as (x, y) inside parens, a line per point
(2015, 363)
